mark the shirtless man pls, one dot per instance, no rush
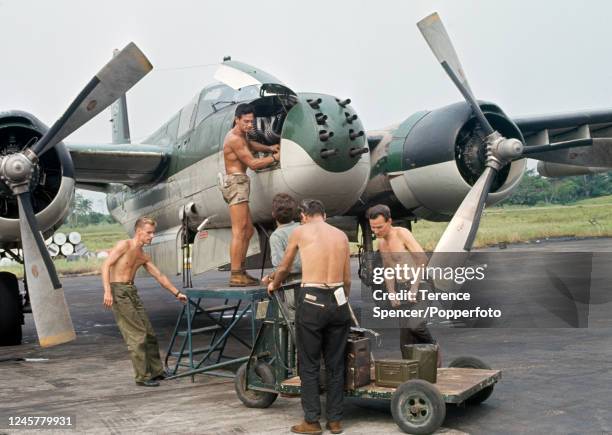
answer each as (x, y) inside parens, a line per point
(322, 316)
(393, 244)
(121, 296)
(237, 155)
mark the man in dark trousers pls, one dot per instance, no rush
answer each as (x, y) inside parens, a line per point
(322, 316)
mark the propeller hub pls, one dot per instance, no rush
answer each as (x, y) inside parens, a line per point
(501, 150)
(510, 149)
(17, 171)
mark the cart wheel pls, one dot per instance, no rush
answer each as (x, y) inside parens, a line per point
(469, 362)
(418, 407)
(254, 398)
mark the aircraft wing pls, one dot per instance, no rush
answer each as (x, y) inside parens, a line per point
(130, 164)
(590, 131)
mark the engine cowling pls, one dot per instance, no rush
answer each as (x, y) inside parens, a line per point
(426, 165)
(54, 177)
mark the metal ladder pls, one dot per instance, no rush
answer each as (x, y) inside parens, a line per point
(181, 343)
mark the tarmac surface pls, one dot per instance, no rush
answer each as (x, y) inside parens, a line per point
(555, 380)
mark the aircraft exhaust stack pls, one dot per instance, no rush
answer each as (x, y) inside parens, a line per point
(328, 153)
(344, 103)
(354, 135)
(354, 152)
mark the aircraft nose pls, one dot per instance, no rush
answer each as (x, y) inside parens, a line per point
(328, 129)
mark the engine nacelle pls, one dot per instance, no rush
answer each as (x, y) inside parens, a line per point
(54, 177)
(428, 163)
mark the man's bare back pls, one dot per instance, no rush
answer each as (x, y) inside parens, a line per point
(324, 251)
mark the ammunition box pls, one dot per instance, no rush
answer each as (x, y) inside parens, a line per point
(393, 372)
(357, 362)
(427, 356)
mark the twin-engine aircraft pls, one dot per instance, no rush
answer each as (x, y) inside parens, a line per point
(444, 164)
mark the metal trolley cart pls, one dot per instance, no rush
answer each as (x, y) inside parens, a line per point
(417, 406)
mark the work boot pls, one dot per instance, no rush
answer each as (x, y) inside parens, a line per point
(250, 277)
(240, 279)
(307, 428)
(166, 373)
(334, 426)
(147, 383)
(244, 270)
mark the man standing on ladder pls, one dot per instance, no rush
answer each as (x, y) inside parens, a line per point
(236, 187)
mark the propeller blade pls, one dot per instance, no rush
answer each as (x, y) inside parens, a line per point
(111, 82)
(453, 247)
(464, 223)
(49, 308)
(489, 174)
(438, 40)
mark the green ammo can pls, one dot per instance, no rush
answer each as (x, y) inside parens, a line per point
(393, 372)
(427, 356)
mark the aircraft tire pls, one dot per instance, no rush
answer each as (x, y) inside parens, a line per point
(11, 312)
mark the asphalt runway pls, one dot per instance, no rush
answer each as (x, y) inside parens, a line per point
(555, 380)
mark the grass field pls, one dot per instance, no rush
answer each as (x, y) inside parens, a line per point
(98, 237)
(587, 218)
(95, 238)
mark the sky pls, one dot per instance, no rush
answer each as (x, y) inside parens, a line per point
(529, 57)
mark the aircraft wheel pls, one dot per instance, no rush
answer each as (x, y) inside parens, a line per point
(418, 407)
(469, 362)
(11, 314)
(254, 398)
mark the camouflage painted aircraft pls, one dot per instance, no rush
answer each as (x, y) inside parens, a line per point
(437, 165)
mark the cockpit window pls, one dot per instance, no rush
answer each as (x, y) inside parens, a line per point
(248, 93)
(213, 96)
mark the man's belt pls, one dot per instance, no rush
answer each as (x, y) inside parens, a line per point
(323, 285)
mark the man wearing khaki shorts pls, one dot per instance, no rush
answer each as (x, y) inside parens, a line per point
(121, 296)
(237, 155)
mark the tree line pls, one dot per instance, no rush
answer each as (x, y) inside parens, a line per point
(82, 213)
(534, 189)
